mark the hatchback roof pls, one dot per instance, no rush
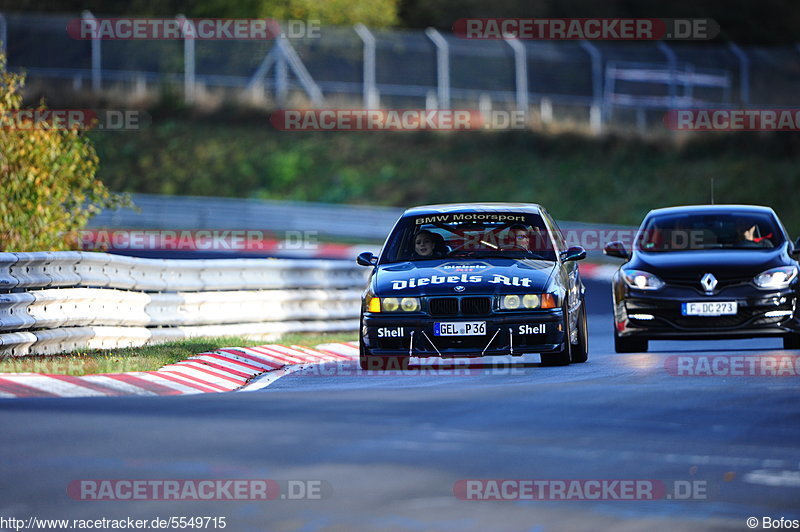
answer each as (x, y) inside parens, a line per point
(687, 209)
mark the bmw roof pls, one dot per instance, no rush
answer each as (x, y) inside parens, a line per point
(474, 207)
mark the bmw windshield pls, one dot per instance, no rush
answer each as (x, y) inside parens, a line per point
(470, 235)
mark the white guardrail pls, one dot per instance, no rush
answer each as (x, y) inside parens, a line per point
(53, 302)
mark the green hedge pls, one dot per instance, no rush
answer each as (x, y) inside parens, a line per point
(610, 179)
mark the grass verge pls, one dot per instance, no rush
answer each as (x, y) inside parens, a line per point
(146, 358)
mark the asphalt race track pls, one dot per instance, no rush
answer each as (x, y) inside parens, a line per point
(385, 452)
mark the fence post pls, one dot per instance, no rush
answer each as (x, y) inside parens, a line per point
(546, 110)
(608, 90)
(744, 73)
(3, 34)
(370, 91)
(672, 59)
(281, 80)
(442, 67)
(641, 120)
(484, 104)
(189, 34)
(596, 114)
(521, 73)
(284, 57)
(97, 69)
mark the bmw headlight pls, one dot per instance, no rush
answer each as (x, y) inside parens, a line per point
(510, 302)
(642, 280)
(409, 304)
(776, 278)
(393, 304)
(528, 301)
(390, 304)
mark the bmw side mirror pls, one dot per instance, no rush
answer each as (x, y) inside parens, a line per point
(366, 259)
(573, 253)
(616, 249)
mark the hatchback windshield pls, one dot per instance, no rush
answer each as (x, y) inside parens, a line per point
(470, 235)
(697, 231)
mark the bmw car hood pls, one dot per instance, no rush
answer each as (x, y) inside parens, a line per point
(723, 263)
(467, 277)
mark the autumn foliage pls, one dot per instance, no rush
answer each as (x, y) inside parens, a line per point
(47, 179)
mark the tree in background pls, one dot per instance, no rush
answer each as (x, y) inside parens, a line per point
(743, 21)
(373, 13)
(47, 179)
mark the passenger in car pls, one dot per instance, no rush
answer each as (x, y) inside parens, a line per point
(423, 244)
(428, 244)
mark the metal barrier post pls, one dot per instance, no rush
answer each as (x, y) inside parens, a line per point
(442, 67)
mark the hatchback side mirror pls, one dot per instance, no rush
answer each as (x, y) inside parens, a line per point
(573, 253)
(795, 254)
(366, 259)
(616, 249)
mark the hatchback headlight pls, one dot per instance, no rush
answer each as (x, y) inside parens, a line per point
(776, 278)
(528, 301)
(642, 280)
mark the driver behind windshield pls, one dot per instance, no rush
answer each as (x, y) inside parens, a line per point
(519, 238)
(526, 238)
(749, 235)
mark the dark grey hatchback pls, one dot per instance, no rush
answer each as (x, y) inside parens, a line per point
(707, 271)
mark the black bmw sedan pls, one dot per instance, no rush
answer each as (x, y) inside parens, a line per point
(706, 271)
(471, 280)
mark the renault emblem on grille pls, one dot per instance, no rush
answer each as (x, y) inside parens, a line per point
(709, 282)
(459, 288)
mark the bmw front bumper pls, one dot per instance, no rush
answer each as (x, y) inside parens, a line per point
(514, 333)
